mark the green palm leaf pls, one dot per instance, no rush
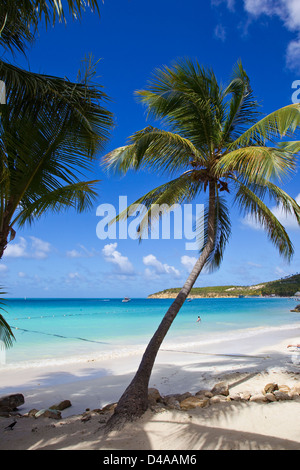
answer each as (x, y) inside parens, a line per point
(252, 205)
(20, 19)
(256, 163)
(155, 149)
(6, 334)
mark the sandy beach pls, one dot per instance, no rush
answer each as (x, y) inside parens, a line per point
(91, 385)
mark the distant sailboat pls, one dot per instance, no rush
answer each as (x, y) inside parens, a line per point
(126, 299)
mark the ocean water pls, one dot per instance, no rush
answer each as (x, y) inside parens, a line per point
(51, 331)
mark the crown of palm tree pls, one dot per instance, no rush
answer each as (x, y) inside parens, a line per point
(213, 133)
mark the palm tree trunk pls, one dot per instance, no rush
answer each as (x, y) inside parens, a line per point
(134, 401)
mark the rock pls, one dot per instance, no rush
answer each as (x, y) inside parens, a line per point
(204, 394)
(220, 388)
(108, 408)
(236, 397)
(218, 399)
(258, 397)
(296, 388)
(246, 395)
(61, 406)
(11, 402)
(282, 395)
(47, 413)
(171, 402)
(193, 402)
(153, 396)
(284, 388)
(269, 388)
(270, 396)
(32, 413)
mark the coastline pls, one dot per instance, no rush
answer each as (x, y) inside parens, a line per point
(247, 365)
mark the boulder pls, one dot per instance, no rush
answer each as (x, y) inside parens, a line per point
(282, 395)
(110, 408)
(11, 402)
(204, 394)
(47, 413)
(61, 406)
(153, 396)
(284, 388)
(171, 402)
(193, 402)
(259, 397)
(220, 388)
(270, 396)
(269, 388)
(218, 399)
(296, 389)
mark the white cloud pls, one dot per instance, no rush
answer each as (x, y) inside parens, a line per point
(38, 249)
(16, 250)
(287, 220)
(288, 11)
(82, 253)
(188, 262)
(158, 266)
(122, 263)
(220, 32)
(230, 3)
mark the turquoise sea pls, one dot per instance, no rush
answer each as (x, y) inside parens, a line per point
(64, 330)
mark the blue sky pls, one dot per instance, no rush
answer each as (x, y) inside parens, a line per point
(60, 255)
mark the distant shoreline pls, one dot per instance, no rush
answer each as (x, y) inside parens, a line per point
(216, 296)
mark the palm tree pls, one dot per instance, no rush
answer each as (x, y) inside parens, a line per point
(50, 128)
(212, 142)
(46, 143)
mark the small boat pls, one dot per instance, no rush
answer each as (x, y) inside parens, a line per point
(126, 299)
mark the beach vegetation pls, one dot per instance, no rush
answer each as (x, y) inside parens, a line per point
(212, 140)
(51, 129)
(6, 335)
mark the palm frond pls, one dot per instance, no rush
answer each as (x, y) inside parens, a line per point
(39, 97)
(19, 20)
(6, 334)
(187, 98)
(252, 205)
(160, 201)
(281, 123)
(222, 231)
(155, 149)
(258, 163)
(243, 107)
(78, 196)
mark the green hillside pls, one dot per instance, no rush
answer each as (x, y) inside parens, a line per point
(285, 287)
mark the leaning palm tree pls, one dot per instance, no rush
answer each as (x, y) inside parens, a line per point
(51, 131)
(212, 143)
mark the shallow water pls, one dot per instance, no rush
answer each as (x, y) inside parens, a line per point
(64, 330)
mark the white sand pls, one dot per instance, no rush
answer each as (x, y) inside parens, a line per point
(249, 366)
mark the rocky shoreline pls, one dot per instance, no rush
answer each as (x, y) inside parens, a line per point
(220, 393)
